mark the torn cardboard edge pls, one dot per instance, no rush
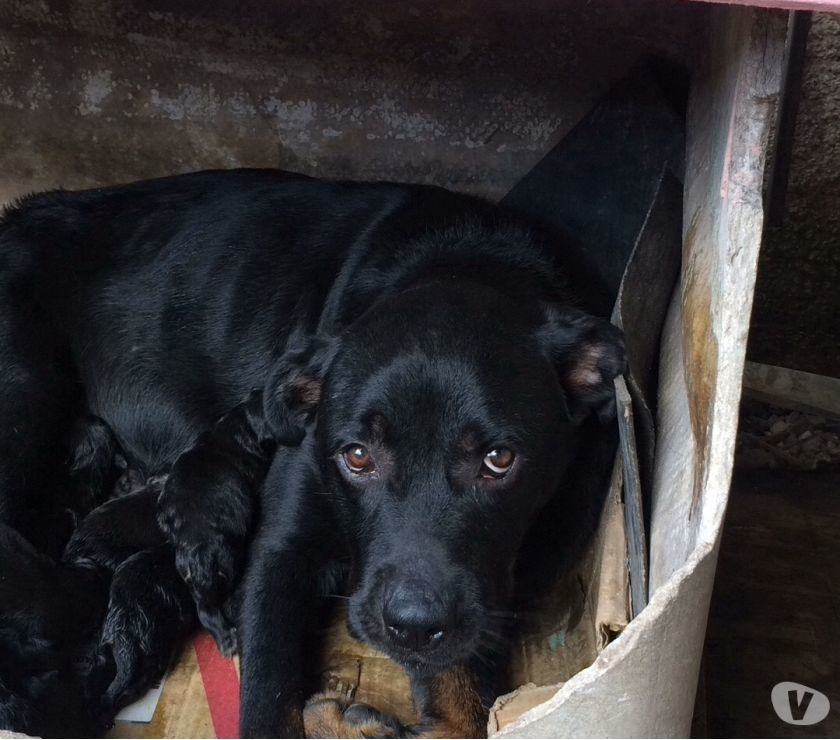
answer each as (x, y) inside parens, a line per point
(512, 706)
(613, 585)
(618, 556)
(607, 599)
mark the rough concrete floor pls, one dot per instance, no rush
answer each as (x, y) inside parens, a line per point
(775, 613)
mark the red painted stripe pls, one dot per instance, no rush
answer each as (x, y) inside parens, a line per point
(221, 684)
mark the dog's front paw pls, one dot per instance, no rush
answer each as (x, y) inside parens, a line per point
(334, 714)
(210, 569)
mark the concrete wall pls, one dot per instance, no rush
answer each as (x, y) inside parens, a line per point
(468, 94)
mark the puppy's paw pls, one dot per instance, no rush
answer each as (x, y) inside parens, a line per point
(130, 481)
(210, 568)
(333, 714)
(210, 550)
(224, 632)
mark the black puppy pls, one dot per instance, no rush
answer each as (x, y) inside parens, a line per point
(82, 637)
(208, 508)
(210, 501)
(423, 346)
(56, 700)
(55, 664)
(95, 630)
(149, 609)
(49, 605)
(150, 613)
(94, 470)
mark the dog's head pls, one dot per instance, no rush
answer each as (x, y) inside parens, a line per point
(446, 416)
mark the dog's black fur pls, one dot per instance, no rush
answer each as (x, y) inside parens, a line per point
(42, 610)
(149, 609)
(208, 509)
(421, 328)
(83, 636)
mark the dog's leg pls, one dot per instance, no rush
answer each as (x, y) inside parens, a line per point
(449, 703)
(208, 508)
(295, 543)
(276, 613)
(334, 714)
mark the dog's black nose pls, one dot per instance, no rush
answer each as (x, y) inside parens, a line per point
(414, 617)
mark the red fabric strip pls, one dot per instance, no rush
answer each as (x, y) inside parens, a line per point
(221, 684)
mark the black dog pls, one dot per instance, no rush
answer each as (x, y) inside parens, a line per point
(421, 345)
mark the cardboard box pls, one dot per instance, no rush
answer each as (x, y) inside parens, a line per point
(597, 674)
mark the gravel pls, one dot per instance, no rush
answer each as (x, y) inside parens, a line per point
(773, 437)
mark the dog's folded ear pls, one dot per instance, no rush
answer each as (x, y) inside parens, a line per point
(292, 394)
(588, 353)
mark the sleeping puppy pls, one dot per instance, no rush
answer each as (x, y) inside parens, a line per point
(208, 508)
(150, 613)
(421, 365)
(51, 678)
(149, 610)
(97, 464)
(82, 637)
(49, 605)
(95, 469)
(59, 700)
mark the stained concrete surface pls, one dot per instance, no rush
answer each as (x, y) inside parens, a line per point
(796, 314)
(467, 94)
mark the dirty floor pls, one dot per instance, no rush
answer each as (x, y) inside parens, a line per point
(775, 613)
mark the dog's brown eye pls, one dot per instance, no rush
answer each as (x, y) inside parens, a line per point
(497, 462)
(358, 459)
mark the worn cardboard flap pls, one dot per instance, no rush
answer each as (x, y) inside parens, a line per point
(512, 706)
(613, 585)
